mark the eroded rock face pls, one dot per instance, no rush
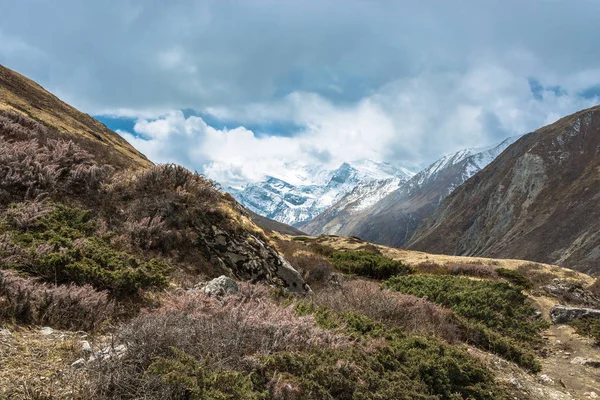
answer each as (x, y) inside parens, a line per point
(245, 256)
(563, 314)
(573, 292)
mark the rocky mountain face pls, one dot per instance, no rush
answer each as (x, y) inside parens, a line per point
(305, 192)
(388, 213)
(537, 201)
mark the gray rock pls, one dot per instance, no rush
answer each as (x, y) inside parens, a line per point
(572, 292)
(4, 332)
(46, 330)
(586, 361)
(86, 347)
(562, 314)
(80, 363)
(221, 286)
(249, 257)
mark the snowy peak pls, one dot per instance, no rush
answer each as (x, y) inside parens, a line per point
(301, 192)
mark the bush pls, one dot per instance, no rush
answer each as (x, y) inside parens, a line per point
(515, 277)
(220, 334)
(315, 270)
(59, 246)
(389, 365)
(411, 314)
(34, 166)
(474, 270)
(64, 307)
(368, 264)
(587, 326)
(497, 305)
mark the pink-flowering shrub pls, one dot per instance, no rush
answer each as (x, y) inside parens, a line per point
(412, 314)
(72, 307)
(223, 333)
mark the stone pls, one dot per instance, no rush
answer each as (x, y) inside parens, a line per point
(249, 257)
(5, 332)
(221, 286)
(79, 363)
(46, 330)
(546, 379)
(586, 361)
(591, 395)
(560, 314)
(86, 347)
(572, 292)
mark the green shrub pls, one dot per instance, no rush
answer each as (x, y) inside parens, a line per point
(399, 367)
(515, 277)
(587, 326)
(368, 264)
(497, 305)
(188, 378)
(60, 247)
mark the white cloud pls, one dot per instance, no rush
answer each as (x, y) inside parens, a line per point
(409, 122)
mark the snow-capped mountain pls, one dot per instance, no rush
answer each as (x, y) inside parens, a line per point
(300, 192)
(390, 213)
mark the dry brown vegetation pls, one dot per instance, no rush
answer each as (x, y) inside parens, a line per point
(411, 314)
(73, 307)
(224, 333)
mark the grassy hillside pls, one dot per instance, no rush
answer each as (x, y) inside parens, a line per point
(23, 96)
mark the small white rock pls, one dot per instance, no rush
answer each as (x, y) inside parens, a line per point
(86, 347)
(46, 330)
(78, 363)
(4, 332)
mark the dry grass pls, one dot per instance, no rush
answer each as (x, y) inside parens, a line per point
(416, 257)
(21, 95)
(36, 366)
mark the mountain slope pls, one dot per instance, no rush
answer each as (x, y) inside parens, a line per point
(96, 211)
(537, 201)
(22, 95)
(396, 213)
(303, 192)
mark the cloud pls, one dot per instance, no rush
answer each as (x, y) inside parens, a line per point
(309, 81)
(409, 122)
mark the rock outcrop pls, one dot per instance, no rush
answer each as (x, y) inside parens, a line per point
(248, 257)
(562, 314)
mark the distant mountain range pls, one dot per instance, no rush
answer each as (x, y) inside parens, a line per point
(539, 200)
(390, 215)
(375, 201)
(302, 192)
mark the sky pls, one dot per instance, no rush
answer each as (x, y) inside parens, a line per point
(238, 89)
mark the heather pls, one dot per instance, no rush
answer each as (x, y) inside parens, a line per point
(258, 346)
(498, 305)
(24, 300)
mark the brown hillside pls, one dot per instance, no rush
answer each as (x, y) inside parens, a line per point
(22, 95)
(537, 201)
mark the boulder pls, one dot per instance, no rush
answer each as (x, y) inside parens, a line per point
(249, 257)
(221, 286)
(562, 314)
(586, 361)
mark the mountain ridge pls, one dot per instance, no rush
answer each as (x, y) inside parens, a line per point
(392, 219)
(536, 201)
